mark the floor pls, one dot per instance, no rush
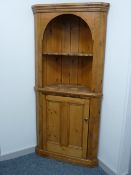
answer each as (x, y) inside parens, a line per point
(33, 164)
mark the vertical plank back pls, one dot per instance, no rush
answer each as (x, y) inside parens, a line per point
(67, 34)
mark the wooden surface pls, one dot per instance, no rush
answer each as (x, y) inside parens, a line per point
(67, 50)
(81, 7)
(69, 64)
(93, 128)
(68, 54)
(67, 34)
(67, 125)
(67, 70)
(74, 160)
(69, 90)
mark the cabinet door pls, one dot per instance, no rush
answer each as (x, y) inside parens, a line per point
(67, 125)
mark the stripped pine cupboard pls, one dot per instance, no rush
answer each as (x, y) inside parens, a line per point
(69, 47)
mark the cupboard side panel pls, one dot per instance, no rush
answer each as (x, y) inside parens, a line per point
(93, 133)
(38, 49)
(99, 33)
(39, 120)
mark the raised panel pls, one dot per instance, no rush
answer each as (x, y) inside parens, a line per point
(68, 151)
(76, 124)
(64, 126)
(53, 121)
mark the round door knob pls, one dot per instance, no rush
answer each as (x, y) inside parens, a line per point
(86, 119)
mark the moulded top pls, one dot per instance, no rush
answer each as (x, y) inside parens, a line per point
(68, 7)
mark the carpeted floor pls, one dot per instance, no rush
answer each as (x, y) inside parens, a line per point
(32, 164)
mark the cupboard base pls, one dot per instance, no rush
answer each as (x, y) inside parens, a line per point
(84, 162)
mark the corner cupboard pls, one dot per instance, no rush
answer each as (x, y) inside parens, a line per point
(69, 52)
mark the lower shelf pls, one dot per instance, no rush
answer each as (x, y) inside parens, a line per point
(74, 160)
(69, 90)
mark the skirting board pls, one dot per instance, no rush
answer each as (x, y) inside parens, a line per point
(17, 154)
(108, 170)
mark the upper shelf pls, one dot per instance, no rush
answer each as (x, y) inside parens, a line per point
(67, 54)
(68, 90)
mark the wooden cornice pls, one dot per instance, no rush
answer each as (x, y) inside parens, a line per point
(70, 7)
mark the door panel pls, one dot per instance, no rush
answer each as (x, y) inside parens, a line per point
(76, 124)
(53, 121)
(68, 151)
(64, 124)
(67, 125)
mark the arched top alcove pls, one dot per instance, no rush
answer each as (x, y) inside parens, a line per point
(67, 34)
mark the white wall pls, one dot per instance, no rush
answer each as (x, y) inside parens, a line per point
(17, 101)
(126, 141)
(116, 86)
(17, 98)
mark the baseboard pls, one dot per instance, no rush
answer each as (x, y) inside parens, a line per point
(106, 168)
(17, 154)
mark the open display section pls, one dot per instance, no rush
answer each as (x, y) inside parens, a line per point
(67, 35)
(67, 56)
(72, 70)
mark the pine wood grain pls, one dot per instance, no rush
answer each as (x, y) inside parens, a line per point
(69, 62)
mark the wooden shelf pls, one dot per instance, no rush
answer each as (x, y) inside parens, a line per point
(67, 54)
(68, 90)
